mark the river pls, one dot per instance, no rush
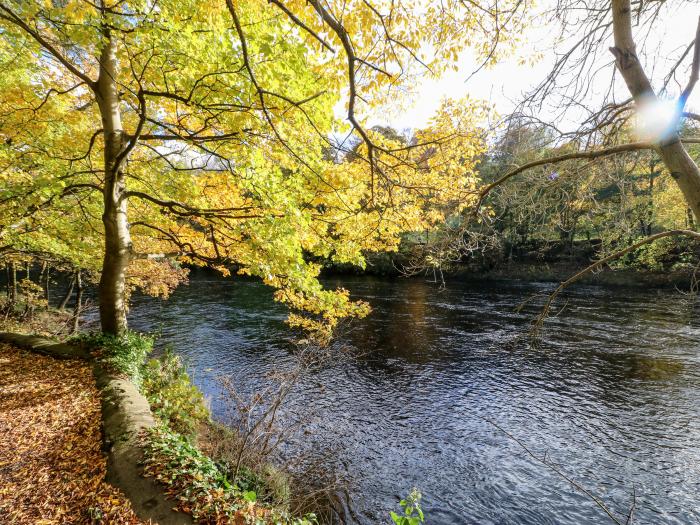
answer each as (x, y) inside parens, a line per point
(611, 395)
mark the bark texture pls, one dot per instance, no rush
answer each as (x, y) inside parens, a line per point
(682, 167)
(69, 292)
(77, 310)
(117, 238)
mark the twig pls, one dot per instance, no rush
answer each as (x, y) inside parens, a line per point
(554, 468)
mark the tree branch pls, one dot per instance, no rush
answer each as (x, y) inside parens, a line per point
(605, 260)
(593, 154)
(301, 24)
(693, 71)
(13, 18)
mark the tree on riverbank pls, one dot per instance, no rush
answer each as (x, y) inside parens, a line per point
(605, 132)
(572, 209)
(190, 132)
(558, 182)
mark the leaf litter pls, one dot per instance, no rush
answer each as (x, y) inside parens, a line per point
(52, 468)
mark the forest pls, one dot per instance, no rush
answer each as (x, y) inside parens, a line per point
(240, 238)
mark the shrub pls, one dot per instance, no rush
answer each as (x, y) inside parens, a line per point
(124, 353)
(33, 295)
(171, 394)
(223, 444)
(199, 485)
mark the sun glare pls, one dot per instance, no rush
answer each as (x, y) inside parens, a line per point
(656, 119)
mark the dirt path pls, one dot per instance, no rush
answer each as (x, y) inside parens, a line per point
(51, 464)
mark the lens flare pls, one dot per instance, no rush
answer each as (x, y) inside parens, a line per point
(657, 119)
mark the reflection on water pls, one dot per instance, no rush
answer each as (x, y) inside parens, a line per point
(612, 395)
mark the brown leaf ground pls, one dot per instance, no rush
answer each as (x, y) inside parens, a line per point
(52, 467)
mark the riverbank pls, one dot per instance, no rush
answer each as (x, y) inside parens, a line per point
(538, 262)
(561, 271)
(53, 469)
(146, 421)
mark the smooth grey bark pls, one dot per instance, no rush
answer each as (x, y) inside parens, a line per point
(117, 238)
(681, 166)
(47, 282)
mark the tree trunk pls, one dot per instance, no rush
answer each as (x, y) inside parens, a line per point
(78, 302)
(69, 292)
(12, 284)
(117, 238)
(47, 281)
(40, 280)
(650, 205)
(684, 171)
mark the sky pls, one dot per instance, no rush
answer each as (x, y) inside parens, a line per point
(504, 84)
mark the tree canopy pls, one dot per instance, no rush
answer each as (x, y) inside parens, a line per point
(138, 136)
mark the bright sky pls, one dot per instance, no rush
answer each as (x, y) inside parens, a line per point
(504, 84)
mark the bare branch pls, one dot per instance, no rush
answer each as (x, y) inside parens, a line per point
(558, 471)
(598, 264)
(693, 72)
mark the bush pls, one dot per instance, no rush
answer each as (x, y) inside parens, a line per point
(223, 444)
(171, 394)
(201, 488)
(124, 353)
(669, 253)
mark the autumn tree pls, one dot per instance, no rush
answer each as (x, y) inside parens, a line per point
(588, 29)
(178, 132)
(595, 40)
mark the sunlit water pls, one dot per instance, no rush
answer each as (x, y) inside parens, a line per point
(612, 396)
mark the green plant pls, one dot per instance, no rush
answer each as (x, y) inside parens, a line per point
(171, 394)
(200, 487)
(124, 353)
(412, 512)
(33, 295)
(192, 478)
(269, 484)
(277, 484)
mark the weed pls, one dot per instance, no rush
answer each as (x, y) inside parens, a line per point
(124, 353)
(412, 512)
(171, 394)
(201, 488)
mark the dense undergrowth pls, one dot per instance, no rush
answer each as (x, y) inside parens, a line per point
(203, 486)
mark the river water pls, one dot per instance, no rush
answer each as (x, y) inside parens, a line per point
(611, 395)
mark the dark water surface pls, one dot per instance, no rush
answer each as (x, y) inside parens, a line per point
(612, 395)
